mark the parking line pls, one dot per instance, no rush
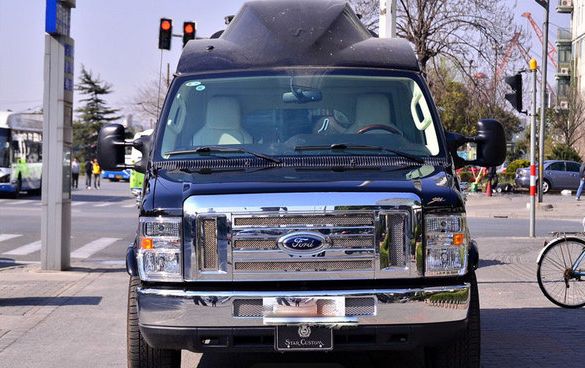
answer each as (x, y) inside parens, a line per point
(93, 247)
(25, 249)
(4, 237)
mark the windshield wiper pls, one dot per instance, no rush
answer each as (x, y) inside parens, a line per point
(344, 146)
(210, 149)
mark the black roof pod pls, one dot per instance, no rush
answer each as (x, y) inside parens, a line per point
(272, 33)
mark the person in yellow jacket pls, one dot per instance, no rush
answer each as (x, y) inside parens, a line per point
(96, 171)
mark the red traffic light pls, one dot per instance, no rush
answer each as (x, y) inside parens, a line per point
(165, 33)
(189, 29)
(165, 25)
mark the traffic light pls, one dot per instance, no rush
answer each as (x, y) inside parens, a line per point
(189, 30)
(165, 33)
(515, 98)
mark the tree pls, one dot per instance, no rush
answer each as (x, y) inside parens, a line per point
(567, 124)
(94, 109)
(147, 103)
(463, 30)
(92, 115)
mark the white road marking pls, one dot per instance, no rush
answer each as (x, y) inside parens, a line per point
(25, 249)
(129, 206)
(77, 203)
(4, 237)
(93, 247)
(103, 204)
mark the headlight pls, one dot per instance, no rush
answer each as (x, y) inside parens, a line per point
(159, 249)
(446, 250)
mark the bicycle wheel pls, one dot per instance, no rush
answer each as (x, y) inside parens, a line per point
(555, 273)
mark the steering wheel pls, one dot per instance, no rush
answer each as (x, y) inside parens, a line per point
(388, 128)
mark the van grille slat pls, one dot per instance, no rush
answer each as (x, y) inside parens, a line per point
(354, 220)
(304, 266)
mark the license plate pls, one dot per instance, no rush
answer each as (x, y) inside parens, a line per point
(303, 337)
(118, 176)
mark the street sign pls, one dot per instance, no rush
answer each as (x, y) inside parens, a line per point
(58, 17)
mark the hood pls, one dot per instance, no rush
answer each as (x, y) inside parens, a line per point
(435, 186)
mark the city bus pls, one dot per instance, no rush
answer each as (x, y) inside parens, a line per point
(21, 151)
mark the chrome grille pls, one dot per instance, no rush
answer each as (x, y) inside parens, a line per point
(248, 308)
(304, 266)
(336, 243)
(335, 220)
(246, 237)
(396, 225)
(209, 243)
(360, 306)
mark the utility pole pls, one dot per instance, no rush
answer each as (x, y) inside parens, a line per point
(533, 68)
(543, 101)
(387, 19)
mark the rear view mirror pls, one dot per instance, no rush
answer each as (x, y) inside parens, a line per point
(111, 144)
(490, 141)
(111, 147)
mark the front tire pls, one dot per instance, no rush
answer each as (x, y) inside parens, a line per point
(140, 354)
(465, 350)
(545, 186)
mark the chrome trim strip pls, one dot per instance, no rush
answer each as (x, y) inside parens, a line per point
(215, 308)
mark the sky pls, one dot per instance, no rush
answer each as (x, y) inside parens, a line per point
(118, 40)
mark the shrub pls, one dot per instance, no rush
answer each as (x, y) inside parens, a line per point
(466, 176)
(515, 165)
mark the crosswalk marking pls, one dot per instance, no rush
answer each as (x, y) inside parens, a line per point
(103, 204)
(93, 247)
(129, 206)
(25, 249)
(4, 237)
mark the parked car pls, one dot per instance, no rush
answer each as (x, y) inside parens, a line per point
(558, 175)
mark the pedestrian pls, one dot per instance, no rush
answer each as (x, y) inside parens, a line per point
(582, 183)
(88, 173)
(75, 173)
(96, 173)
(492, 177)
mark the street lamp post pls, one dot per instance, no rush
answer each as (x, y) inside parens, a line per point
(546, 5)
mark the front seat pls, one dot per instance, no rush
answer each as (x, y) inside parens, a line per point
(222, 125)
(371, 109)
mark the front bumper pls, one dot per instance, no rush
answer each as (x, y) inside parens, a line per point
(204, 321)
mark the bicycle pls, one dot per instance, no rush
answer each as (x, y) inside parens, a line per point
(561, 269)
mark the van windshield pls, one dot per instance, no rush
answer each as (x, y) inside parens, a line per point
(307, 113)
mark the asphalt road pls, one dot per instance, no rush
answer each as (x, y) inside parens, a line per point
(103, 223)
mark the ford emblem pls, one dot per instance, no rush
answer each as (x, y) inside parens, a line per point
(302, 242)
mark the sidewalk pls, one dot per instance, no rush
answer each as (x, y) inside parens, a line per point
(87, 303)
(554, 206)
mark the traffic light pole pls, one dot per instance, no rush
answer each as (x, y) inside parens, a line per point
(533, 68)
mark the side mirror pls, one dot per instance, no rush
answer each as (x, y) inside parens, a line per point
(111, 149)
(111, 145)
(143, 144)
(491, 144)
